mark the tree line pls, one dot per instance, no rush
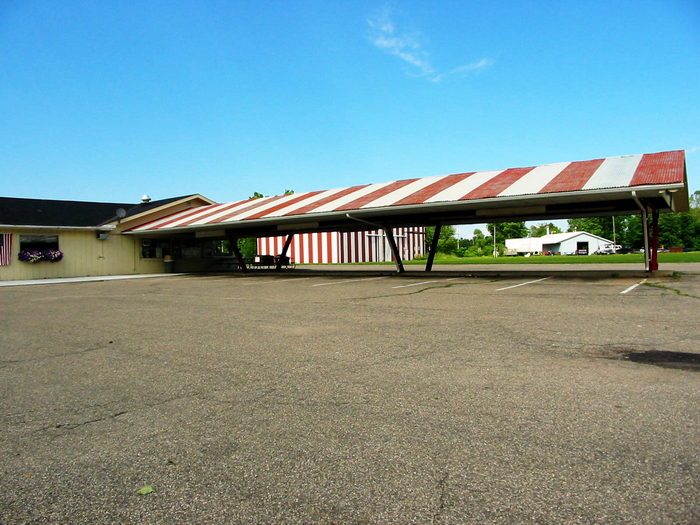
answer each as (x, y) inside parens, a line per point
(675, 230)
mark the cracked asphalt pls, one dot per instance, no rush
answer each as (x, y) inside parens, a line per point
(320, 398)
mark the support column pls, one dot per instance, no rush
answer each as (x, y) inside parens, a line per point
(237, 252)
(394, 249)
(281, 256)
(433, 248)
(654, 258)
(647, 248)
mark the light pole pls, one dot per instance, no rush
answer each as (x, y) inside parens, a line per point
(495, 253)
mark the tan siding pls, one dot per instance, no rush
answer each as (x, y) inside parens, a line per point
(84, 255)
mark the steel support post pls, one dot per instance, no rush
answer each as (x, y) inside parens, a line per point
(394, 249)
(654, 256)
(647, 248)
(433, 248)
(281, 256)
(233, 241)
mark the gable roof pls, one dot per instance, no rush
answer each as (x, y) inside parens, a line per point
(595, 187)
(60, 213)
(555, 238)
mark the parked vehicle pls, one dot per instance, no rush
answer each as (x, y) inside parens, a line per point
(609, 249)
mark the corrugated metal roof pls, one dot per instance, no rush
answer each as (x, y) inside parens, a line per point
(585, 177)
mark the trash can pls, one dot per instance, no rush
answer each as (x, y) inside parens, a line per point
(169, 264)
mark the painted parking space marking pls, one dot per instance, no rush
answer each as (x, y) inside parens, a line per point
(523, 284)
(273, 281)
(413, 284)
(628, 290)
(348, 281)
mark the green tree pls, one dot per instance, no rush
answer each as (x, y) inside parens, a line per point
(675, 228)
(447, 243)
(480, 245)
(507, 230)
(679, 229)
(600, 226)
(629, 231)
(694, 202)
(539, 230)
(693, 228)
(248, 247)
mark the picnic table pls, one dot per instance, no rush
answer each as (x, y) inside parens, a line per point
(269, 262)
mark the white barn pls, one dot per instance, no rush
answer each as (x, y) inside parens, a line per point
(346, 247)
(570, 243)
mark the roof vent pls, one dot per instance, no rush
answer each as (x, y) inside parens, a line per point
(145, 198)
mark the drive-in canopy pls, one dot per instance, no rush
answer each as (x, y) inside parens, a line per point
(645, 183)
(615, 185)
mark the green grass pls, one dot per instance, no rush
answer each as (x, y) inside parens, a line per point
(441, 258)
(563, 259)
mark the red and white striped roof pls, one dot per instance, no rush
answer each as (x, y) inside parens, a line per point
(663, 170)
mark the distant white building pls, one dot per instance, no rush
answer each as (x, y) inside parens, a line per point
(571, 243)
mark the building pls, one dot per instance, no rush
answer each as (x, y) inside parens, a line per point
(102, 239)
(54, 238)
(347, 247)
(571, 243)
(42, 238)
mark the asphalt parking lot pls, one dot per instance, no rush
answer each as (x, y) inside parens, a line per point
(326, 398)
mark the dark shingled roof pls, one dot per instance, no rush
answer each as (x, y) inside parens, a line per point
(42, 212)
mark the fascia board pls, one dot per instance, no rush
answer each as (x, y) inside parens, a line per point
(163, 207)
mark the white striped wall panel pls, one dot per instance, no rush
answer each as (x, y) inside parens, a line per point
(346, 247)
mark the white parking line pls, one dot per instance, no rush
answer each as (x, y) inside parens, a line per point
(633, 287)
(413, 284)
(97, 278)
(523, 284)
(349, 281)
(273, 281)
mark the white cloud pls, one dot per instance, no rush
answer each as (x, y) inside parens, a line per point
(385, 36)
(406, 46)
(465, 69)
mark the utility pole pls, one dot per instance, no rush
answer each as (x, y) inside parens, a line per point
(495, 253)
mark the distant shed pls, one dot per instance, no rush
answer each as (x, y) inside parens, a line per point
(570, 243)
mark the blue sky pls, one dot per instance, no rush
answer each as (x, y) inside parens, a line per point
(108, 100)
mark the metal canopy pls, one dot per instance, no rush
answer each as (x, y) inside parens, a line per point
(645, 183)
(611, 186)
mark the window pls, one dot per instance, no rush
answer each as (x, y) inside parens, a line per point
(184, 248)
(155, 248)
(196, 248)
(220, 248)
(38, 242)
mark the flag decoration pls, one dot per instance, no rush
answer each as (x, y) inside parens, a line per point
(5, 248)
